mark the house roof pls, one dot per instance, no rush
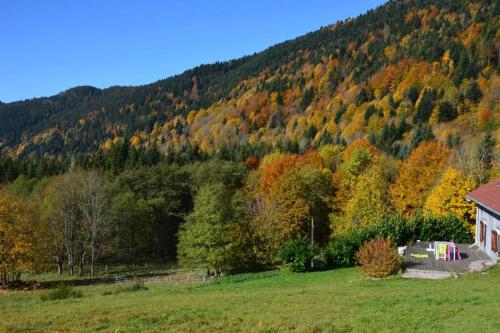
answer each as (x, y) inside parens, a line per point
(487, 195)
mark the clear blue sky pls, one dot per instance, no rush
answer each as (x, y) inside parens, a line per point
(50, 46)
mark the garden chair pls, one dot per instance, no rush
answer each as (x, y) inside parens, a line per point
(456, 252)
(441, 251)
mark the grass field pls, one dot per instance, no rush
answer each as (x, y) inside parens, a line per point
(332, 301)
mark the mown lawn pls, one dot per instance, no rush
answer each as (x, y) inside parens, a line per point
(333, 301)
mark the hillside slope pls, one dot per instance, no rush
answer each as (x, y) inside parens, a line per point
(382, 75)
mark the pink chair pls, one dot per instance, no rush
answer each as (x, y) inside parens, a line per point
(457, 252)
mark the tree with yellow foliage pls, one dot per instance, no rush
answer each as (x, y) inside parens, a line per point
(331, 155)
(357, 157)
(390, 52)
(416, 176)
(18, 234)
(448, 196)
(370, 201)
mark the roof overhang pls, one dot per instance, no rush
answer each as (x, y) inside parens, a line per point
(469, 198)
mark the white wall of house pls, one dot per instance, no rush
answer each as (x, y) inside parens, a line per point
(492, 222)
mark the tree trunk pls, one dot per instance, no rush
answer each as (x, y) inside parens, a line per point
(82, 261)
(92, 262)
(59, 262)
(71, 263)
(92, 251)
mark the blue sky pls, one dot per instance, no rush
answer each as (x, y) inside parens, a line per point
(49, 46)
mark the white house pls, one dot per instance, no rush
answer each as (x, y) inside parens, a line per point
(487, 198)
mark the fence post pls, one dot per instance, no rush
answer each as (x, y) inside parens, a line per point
(116, 279)
(189, 276)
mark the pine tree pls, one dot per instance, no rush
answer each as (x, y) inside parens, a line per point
(473, 92)
(424, 106)
(446, 112)
(422, 133)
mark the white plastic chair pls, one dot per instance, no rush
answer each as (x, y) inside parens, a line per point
(441, 251)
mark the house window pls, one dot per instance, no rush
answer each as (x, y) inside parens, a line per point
(482, 232)
(498, 241)
(494, 241)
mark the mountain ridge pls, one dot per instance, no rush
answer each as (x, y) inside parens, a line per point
(327, 70)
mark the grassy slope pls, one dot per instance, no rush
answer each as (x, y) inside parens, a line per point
(338, 300)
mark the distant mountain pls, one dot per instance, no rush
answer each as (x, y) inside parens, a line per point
(385, 75)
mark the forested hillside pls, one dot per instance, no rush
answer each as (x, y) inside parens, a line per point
(377, 126)
(423, 62)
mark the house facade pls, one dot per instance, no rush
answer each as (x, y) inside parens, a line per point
(487, 199)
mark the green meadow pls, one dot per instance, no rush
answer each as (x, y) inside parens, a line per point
(339, 300)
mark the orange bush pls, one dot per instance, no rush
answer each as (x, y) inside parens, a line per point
(378, 258)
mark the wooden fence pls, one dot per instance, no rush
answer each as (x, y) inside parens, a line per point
(173, 278)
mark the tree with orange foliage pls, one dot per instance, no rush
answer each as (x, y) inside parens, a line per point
(416, 176)
(18, 238)
(301, 194)
(360, 143)
(273, 167)
(252, 162)
(484, 116)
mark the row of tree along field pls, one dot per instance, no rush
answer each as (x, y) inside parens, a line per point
(227, 216)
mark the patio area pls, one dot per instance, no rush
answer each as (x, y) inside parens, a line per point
(419, 266)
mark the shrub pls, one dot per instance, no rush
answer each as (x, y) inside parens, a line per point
(395, 227)
(378, 258)
(296, 255)
(446, 228)
(62, 292)
(341, 251)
